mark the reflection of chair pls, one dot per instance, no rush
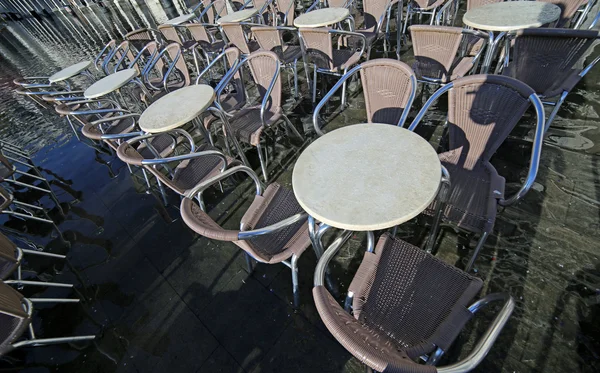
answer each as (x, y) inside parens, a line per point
(551, 61)
(406, 305)
(317, 49)
(436, 49)
(248, 124)
(16, 318)
(273, 229)
(569, 9)
(11, 257)
(389, 87)
(482, 111)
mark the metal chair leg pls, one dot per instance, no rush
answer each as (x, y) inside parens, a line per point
(249, 262)
(314, 87)
(480, 244)
(557, 106)
(263, 164)
(295, 287)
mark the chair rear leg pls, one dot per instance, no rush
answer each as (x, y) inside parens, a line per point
(480, 244)
(249, 263)
(263, 164)
(314, 85)
(555, 110)
(295, 286)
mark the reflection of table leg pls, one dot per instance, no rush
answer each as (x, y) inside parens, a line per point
(491, 52)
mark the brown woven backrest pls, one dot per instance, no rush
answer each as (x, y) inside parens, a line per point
(544, 58)
(477, 3)
(218, 9)
(13, 319)
(236, 35)
(8, 260)
(568, 8)
(318, 46)
(387, 87)
(173, 49)
(140, 37)
(263, 65)
(232, 54)
(425, 3)
(199, 33)
(435, 49)
(283, 6)
(373, 11)
(337, 3)
(482, 111)
(153, 49)
(6, 199)
(201, 223)
(413, 298)
(170, 33)
(269, 39)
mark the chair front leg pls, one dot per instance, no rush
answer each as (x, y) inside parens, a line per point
(263, 163)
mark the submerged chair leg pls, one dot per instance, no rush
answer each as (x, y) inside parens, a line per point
(295, 287)
(480, 244)
(263, 164)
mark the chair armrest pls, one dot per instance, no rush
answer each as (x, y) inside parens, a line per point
(118, 136)
(486, 342)
(228, 172)
(321, 268)
(178, 158)
(352, 34)
(112, 119)
(273, 228)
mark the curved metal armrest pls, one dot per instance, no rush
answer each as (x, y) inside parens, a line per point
(145, 136)
(172, 66)
(193, 10)
(228, 172)
(75, 99)
(63, 93)
(227, 79)
(427, 104)
(352, 34)
(178, 158)
(112, 119)
(534, 161)
(482, 35)
(118, 136)
(139, 56)
(438, 17)
(486, 342)
(273, 228)
(313, 6)
(321, 268)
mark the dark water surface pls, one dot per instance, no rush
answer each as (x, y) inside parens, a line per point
(161, 299)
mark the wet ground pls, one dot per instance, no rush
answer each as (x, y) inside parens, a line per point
(162, 299)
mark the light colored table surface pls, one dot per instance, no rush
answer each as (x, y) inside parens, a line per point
(240, 15)
(511, 15)
(180, 19)
(367, 177)
(110, 83)
(322, 17)
(177, 108)
(69, 72)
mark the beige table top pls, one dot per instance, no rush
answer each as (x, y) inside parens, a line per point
(511, 15)
(69, 72)
(367, 177)
(240, 15)
(177, 108)
(322, 17)
(180, 19)
(110, 83)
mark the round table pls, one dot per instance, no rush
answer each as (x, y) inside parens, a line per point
(509, 16)
(181, 19)
(322, 17)
(69, 72)
(367, 177)
(240, 15)
(110, 83)
(177, 108)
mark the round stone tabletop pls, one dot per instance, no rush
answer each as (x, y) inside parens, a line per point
(180, 19)
(322, 17)
(367, 177)
(69, 72)
(110, 83)
(240, 15)
(177, 108)
(511, 15)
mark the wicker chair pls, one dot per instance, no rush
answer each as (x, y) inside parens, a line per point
(188, 47)
(482, 111)
(551, 61)
(317, 49)
(436, 49)
(11, 257)
(166, 72)
(205, 35)
(406, 305)
(248, 124)
(270, 38)
(238, 35)
(141, 37)
(569, 10)
(273, 230)
(375, 12)
(420, 7)
(285, 12)
(389, 87)
(266, 11)
(16, 319)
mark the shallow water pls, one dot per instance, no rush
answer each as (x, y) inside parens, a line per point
(161, 299)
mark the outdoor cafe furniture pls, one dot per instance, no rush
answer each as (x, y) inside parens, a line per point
(389, 88)
(346, 179)
(508, 16)
(421, 7)
(574, 11)
(165, 73)
(551, 61)
(445, 53)
(16, 313)
(285, 12)
(72, 71)
(205, 35)
(375, 13)
(25, 211)
(238, 16)
(181, 19)
(324, 17)
(249, 123)
(273, 229)
(482, 111)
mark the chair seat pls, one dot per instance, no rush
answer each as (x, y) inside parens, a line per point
(247, 126)
(406, 303)
(291, 54)
(344, 58)
(276, 204)
(474, 194)
(189, 44)
(163, 144)
(557, 88)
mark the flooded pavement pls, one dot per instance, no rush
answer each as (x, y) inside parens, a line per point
(162, 299)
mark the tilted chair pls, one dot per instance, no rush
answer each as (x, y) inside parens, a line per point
(16, 313)
(317, 49)
(436, 49)
(406, 305)
(273, 230)
(11, 258)
(249, 123)
(389, 88)
(551, 61)
(482, 111)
